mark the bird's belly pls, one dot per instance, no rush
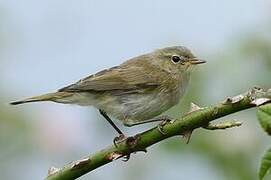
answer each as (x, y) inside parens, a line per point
(136, 107)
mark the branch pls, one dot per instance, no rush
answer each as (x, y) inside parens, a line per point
(196, 118)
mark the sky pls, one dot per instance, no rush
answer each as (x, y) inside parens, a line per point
(74, 39)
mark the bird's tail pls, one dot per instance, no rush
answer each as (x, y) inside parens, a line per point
(45, 97)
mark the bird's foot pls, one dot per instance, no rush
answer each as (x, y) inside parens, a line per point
(119, 139)
(165, 120)
(131, 143)
(126, 157)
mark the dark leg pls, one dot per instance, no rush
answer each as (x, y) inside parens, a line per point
(121, 136)
(110, 121)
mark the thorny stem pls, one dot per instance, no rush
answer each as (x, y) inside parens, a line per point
(196, 118)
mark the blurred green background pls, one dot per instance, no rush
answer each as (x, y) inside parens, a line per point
(45, 45)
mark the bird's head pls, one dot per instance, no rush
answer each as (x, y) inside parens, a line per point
(176, 59)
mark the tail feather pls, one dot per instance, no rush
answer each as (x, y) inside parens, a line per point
(23, 101)
(45, 97)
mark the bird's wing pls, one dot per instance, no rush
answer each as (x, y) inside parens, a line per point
(116, 78)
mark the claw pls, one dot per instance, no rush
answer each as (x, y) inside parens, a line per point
(131, 142)
(126, 158)
(122, 138)
(163, 123)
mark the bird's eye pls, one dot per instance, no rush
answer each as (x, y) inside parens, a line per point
(175, 59)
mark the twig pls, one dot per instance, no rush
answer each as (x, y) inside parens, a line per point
(200, 117)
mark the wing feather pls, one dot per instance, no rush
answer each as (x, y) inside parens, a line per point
(116, 78)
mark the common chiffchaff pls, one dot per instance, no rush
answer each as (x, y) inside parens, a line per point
(134, 92)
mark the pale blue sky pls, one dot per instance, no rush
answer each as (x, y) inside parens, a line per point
(49, 44)
(55, 42)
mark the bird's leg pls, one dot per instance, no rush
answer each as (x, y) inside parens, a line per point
(121, 136)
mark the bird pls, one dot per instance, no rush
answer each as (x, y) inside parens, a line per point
(134, 92)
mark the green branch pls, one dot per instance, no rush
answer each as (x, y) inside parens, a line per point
(196, 118)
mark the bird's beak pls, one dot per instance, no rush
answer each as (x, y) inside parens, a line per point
(196, 61)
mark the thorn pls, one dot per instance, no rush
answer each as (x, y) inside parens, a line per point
(260, 101)
(80, 163)
(194, 107)
(52, 171)
(223, 125)
(234, 100)
(187, 136)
